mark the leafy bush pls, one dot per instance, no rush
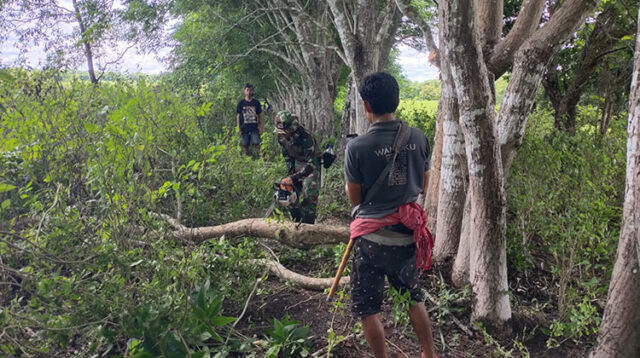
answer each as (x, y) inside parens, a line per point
(420, 114)
(287, 338)
(565, 204)
(89, 264)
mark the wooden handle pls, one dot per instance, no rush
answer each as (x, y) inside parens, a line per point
(343, 264)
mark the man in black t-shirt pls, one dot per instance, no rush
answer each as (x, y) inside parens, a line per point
(249, 120)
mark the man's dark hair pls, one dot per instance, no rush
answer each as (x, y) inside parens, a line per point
(248, 85)
(381, 90)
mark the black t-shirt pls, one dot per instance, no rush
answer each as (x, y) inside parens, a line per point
(368, 154)
(248, 111)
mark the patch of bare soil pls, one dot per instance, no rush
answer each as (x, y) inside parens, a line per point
(453, 334)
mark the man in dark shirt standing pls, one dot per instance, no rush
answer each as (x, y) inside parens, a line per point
(389, 229)
(249, 120)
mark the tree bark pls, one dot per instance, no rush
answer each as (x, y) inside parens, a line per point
(488, 269)
(321, 63)
(367, 34)
(430, 204)
(529, 66)
(453, 174)
(488, 23)
(491, 141)
(619, 334)
(460, 271)
(291, 234)
(305, 42)
(526, 23)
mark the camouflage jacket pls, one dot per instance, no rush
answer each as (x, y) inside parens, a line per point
(301, 147)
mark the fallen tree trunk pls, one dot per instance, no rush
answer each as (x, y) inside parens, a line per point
(289, 233)
(309, 283)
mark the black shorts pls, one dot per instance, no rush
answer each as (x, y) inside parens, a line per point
(250, 137)
(371, 262)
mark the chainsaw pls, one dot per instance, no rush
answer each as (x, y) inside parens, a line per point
(284, 196)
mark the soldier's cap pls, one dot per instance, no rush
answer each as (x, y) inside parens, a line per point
(285, 121)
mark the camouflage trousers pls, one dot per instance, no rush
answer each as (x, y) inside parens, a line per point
(307, 190)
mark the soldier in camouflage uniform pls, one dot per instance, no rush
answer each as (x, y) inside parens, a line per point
(303, 157)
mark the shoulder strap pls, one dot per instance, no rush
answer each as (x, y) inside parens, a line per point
(400, 140)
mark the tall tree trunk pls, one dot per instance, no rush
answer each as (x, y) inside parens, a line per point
(500, 61)
(321, 64)
(86, 43)
(526, 23)
(347, 112)
(490, 144)
(460, 271)
(453, 174)
(488, 266)
(304, 41)
(488, 23)
(619, 334)
(530, 63)
(367, 34)
(433, 189)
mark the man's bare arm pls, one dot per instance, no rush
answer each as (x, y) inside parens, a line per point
(354, 192)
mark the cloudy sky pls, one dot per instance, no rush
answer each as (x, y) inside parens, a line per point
(414, 64)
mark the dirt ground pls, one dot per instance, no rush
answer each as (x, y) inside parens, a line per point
(453, 334)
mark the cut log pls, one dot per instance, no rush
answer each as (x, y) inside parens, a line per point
(288, 233)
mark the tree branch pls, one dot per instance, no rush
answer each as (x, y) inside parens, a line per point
(306, 282)
(526, 23)
(411, 14)
(288, 233)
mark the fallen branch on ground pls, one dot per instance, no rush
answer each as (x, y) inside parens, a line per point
(309, 283)
(324, 350)
(288, 233)
(455, 320)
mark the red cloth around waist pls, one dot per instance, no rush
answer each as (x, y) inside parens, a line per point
(410, 215)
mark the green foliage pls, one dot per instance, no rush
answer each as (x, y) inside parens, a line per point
(565, 202)
(338, 308)
(287, 338)
(83, 172)
(500, 87)
(420, 114)
(425, 91)
(201, 326)
(207, 54)
(400, 311)
(332, 201)
(583, 319)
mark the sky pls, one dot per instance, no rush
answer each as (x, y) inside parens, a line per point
(414, 64)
